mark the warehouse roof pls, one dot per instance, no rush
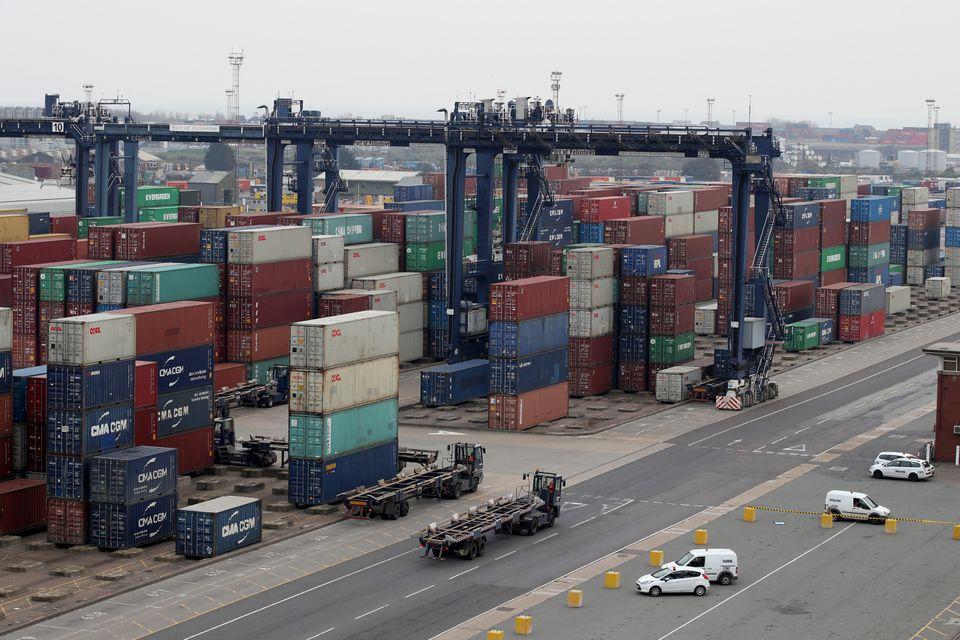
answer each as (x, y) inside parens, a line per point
(209, 177)
(32, 195)
(375, 175)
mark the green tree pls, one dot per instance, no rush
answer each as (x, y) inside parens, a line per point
(219, 157)
(703, 169)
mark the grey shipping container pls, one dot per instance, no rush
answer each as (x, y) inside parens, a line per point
(99, 337)
(218, 526)
(370, 259)
(270, 244)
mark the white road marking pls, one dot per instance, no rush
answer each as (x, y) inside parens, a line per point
(364, 615)
(574, 526)
(322, 633)
(805, 428)
(759, 449)
(508, 553)
(729, 444)
(457, 575)
(800, 448)
(755, 583)
(410, 595)
(780, 440)
(544, 539)
(618, 507)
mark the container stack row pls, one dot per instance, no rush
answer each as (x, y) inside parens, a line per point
(638, 264)
(862, 312)
(868, 257)
(796, 242)
(29, 415)
(951, 239)
(593, 290)
(671, 314)
(410, 308)
(923, 245)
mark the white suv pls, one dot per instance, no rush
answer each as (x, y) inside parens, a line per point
(888, 456)
(906, 468)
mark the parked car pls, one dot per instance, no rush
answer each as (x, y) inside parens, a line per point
(856, 505)
(719, 565)
(888, 456)
(906, 468)
(673, 581)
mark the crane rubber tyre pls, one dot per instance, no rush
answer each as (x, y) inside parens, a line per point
(655, 592)
(472, 551)
(700, 590)
(878, 474)
(725, 579)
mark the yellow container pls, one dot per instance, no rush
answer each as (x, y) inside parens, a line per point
(523, 625)
(749, 514)
(700, 537)
(611, 580)
(575, 598)
(956, 532)
(890, 525)
(14, 227)
(368, 200)
(495, 634)
(826, 521)
(48, 236)
(213, 217)
(656, 557)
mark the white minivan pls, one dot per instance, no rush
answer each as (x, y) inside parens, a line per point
(844, 504)
(719, 565)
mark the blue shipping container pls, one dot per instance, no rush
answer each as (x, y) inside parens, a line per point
(896, 278)
(213, 245)
(872, 208)
(184, 411)
(800, 215)
(591, 232)
(643, 260)
(513, 376)
(555, 224)
(879, 274)
(66, 477)
(798, 315)
(76, 387)
(933, 271)
(827, 330)
(83, 432)
(322, 481)
(183, 369)
(437, 314)
(633, 347)
(516, 339)
(218, 526)
(449, 384)
(38, 222)
(634, 319)
(132, 475)
(405, 193)
(420, 205)
(951, 236)
(19, 387)
(122, 526)
(926, 239)
(6, 371)
(937, 203)
(862, 299)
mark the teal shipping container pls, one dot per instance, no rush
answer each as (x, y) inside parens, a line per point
(173, 282)
(323, 436)
(260, 370)
(431, 226)
(155, 197)
(356, 228)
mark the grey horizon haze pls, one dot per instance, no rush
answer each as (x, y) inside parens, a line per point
(867, 62)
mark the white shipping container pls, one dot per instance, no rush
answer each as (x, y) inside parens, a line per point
(915, 196)
(952, 255)
(473, 320)
(413, 316)
(409, 286)
(678, 225)
(379, 300)
(705, 222)
(371, 259)
(328, 276)
(589, 263)
(953, 198)
(268, 244)
(922, 257)
(672, 383)
(667, 203)
(952, 272)
(327, 249)
(411, 346)
(952, 216)
(937, 288)
(98, 337)
(848, 185)
(337, 340)
(6, 328)
(591, 323)
(339, 388)
(705, 319)
(897, 300)
(590, 294)
(914, 276)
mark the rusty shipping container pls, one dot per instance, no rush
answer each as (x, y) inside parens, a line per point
(529, 298)
(590, 381)
(517, 413)
(66, 521)
(157, 240)
(260, 344)
(257, 312)
(172, 325)
(268, 277)
(23, 505)
(15, 254)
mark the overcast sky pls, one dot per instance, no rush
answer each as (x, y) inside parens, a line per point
(867, 62)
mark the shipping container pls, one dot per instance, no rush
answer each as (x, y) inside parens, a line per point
(15, 254)
(90, 339)
(172, 325)
(794, 294)
(324, 481)
(529, 298)
(798, 215)
(23, 505)
(82, 387)
(184, 411)
(802, 335)
(671, 290)
(515, 376)
(591, 381)
(145, 426)
(585, 353)
(67, 521)
(218, 526)
(172, 283)
(268, 244)
(451, 384)
(144, 384)
(671, 321)
(89, 431)
(589, 263)
(253, 219)
(156, 240)
(262, 371)
(66, 477)
(227, 375)
(590, 323)
(516, 339)
(644, 260)
(268, 277)
(122, 526)
(517, 413)
(194, 449)
(329, 342)
(182, 369)
(872, 208)
(262, 344)
(257, 312)
(328, 276)
(343, 387)
(671, 350)
(409, 286)
(672, 383)
(327, 248)
(317, 437)
(861, 299)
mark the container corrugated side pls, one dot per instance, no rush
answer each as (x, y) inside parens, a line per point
(182, 369)
(323, 481)
(333, 434)
(370, 259)
(590, 294)
(84, 340)
(271, 244)
(514, 376)
(450, 384)
(133, 475)
(80, 387)
(122, 526)
(218, 526)
(327, 248)
(409, 286)
(590, 323)
(329, 342)
(343, 387)
(23, 505)
(184, 411)
(171, 325)
(84, 432)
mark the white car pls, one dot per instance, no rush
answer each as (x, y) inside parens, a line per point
(906, 468)
(888, 456)
(673, 581)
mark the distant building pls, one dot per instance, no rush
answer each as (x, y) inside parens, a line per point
(868, 158)
(908, 159)
(215, 187)
(23, 193)
(374, 183)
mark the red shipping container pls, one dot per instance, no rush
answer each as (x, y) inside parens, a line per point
(671, 290)
(23, 505)
(685, 249)
(794, 183)
(711, 198)
(635, 230)
(66, 521)
(336, 304)
(652, 370)
(632, 376)
(863, 189)
(527, 410)
(25, 317)
(725, 219)
(393, 227)
(172, 325)
(262, 344)
(833, 221)
(6, 415)
(854, 328)
(529, 298)
(14, 254)
(102, 242)
(589, 352)
(143, 241)
(24, 351)
(702, 268)
(635, 290)
(526, 259)
(228, 375)
(600, 209)
(870, 232)
(36, 399)
(798, 266)
(945, 440)
(794, 295)
(250, 218)
(790, 241)
(194, 449)
(921, 220)
(75, 309)
(671, 321)
(6, 290)
(832, 277)
(65, 224)
(725, 246)
(6, 455)
(556, 263)
(268, 277)
(83, 252)
(257, 312)
(36, 436)
(703, 290)
(590, 381)
(144, 384)
(725, 271)
(145, 427)
(827, 304)
(188, 214)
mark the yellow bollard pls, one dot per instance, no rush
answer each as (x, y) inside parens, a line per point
(700, 537)
(611, 580)
(523, 625)
(826, 521)
(495, 634)
(749, 514)
(890, 525)
(656, 557)
(575, 598)
(956, 532)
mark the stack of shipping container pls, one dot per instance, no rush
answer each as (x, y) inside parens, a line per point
(868, 259)
(592, 316)
(410, 307)
(833, 242)
(862, 314)
(796, 243)
(694, 253)
(923, 245)
(637, 265)
(671, 323)
(951, 237)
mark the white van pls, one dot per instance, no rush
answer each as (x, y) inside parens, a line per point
(844, 504)
(719, 565)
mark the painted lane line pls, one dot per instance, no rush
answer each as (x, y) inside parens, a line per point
(621, 506)
(322, 633)
(457, 575)
(364, 615)
(410, 595)
(508, 553)
(780, 440)
(546, 538)
(759, 449)
(298, 594)
(574, 526)
(797, 404)
(805, 428)
(755, 583)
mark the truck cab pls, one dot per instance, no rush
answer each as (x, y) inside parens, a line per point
(549, 488)
(470, 457)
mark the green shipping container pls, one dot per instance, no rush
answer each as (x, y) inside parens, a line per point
(157, 197)
(643, 197)
(833, 258)
(825, 182)
(895, 190)
(171, 283)
(260, 370)
(670, 350)
(333, 434)
(862, 256)
(896, 268)
(158, 214)
(802, 335)
(427, 227)
(84, 224)
(431, 256)
(355, 228)
(52, 281)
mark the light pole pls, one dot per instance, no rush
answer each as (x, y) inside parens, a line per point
(658, 115)
(619, 97)
(710, 102)
(686, 119)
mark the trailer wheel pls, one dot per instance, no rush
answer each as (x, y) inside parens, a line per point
(404, 509)
(550, 518)
(533, 527)
(455, 491)
(481, 546)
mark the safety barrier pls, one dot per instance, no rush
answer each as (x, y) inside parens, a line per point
(575, 598)
(850, 517)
